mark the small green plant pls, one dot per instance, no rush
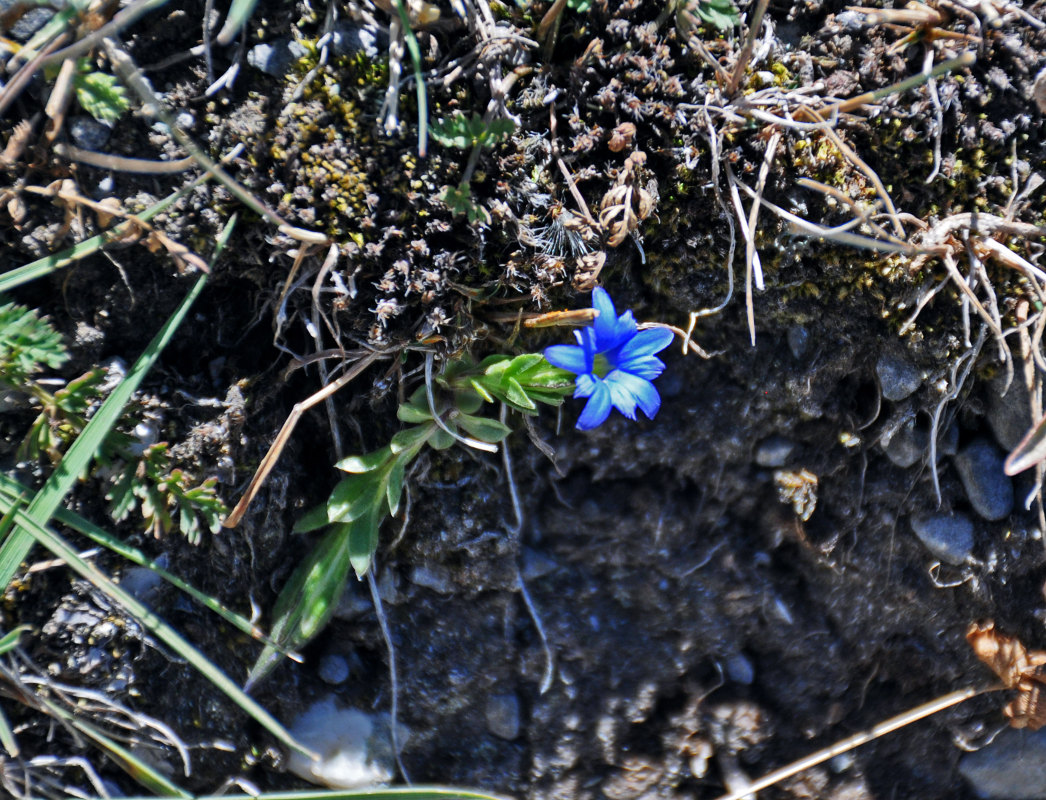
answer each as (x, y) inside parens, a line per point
(719, 14)
(463, 133)
(613, 365)
(467, 132)
(167, 497)
(99, 93)
(440, 413)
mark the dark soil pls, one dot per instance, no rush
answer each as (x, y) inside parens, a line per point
(727, 587)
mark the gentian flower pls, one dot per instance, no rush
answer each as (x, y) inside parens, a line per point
(614, 362)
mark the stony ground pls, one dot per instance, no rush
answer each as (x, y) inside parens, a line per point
(792, 551)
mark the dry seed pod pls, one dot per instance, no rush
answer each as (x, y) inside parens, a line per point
(1018, 668)
(621, 137)
(587, 271)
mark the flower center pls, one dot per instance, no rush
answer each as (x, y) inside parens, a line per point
(601, 365)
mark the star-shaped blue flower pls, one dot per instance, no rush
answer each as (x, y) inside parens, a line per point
(614, 362)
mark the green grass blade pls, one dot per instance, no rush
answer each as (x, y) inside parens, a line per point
(419, 80)
(147, 618)
(48, 264)
(75, 462)
(83, 450)
(7, 737)
(239, 13)
(70, 519)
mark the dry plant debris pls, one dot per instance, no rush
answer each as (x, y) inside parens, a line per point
(1018, 668)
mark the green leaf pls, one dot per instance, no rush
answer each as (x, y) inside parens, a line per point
(720, 13)
(394, 487)
(309, 598)
(354, 496)
(10, 640)
(413, 414)
(486, 430)
(467, 401)
(314, 519)
(28, 343)
(441, 440)
(411, 438)
(365, 463)
(481, 391)
(521, 364)
(516, 396)
(101, 96)
(363, 543)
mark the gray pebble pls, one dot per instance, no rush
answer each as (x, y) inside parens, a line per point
(88, 133)
(334, 669)
(1011, 767)
(1009, 415)
(142, 583)
(774, 452)
(988, 489)
(739, 669)
(432, 577)
(275, 58)
(347, 39)
(184, 120)
(503, 716)
(897, 376)
(949, 537)
(798, 340)
(29, 23)
(905, 443)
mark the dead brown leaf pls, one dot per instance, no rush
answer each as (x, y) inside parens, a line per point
(1018, 668)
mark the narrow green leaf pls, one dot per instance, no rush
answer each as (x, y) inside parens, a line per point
(314, 519)
(411, 438)
(353, 496)
(10, 640)
(239, 13)
(363, 543)
(309, 598)
(394, 487)
(521, 364)
(481, 391)
(89, 442)
(413, 414)
(516, 396)
(486, 430)
(366, 462)
(151, 622)
(7, 737)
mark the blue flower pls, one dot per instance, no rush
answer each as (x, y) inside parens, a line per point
(614, 362)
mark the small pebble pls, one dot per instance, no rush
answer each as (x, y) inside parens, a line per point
(1012, 767)
(897, 376)
(905, 444)
(275, 58)
(1008, 415)
(88, 133)
(503, 716)
(949, 537)
(184, 120)
(774, 452)
(28, 23)
(988, 488)
(354, 749)
(334, 669)
(432, 577)
(798, 340)
(739, 669)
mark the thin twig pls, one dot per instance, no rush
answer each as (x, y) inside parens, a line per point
(850, 742)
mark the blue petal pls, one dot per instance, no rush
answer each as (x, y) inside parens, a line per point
(646, 343)
(639, 391)
(597, 409)
(570, 357)
(609, 330)
(621, 395)
(647, 367)
(585, 385)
